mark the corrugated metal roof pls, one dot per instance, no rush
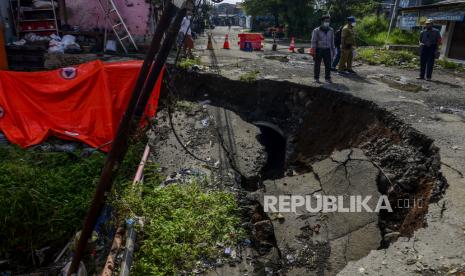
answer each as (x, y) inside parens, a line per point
(445, 3)
(450, 2)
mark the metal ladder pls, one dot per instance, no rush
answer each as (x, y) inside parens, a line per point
(117, 24)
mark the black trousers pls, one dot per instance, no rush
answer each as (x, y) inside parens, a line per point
(427, 55)
(325, 55)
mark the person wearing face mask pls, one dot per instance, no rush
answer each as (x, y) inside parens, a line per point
(323, 48)
(347, 46)
(429, 41)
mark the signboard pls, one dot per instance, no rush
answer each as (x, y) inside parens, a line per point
(408, 21)
(446, 15)
(407, 3)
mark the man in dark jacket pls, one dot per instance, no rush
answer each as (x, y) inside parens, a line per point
(337, 43)
(323, 47)
(429, 42)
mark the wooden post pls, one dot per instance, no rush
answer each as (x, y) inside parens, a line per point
(63, 12)
(3, 56)
(127, 128)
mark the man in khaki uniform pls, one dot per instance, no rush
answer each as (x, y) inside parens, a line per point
(347, 46)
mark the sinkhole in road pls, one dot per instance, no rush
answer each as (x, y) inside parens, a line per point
(323, 142)
(275, 146)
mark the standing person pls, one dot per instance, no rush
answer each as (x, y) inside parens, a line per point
(323, 47)
(337, 43)
(429, 41)
(347, 46)
(185, 36)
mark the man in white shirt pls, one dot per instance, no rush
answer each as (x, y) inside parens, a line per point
(185, 36)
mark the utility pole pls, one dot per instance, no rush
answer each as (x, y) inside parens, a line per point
(393, 18)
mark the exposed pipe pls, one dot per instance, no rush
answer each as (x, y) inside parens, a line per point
(115, 248)
(140, 169)
(129, 252)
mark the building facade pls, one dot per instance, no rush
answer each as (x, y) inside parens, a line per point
(450, 16)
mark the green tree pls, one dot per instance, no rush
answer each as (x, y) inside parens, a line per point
(300, 16)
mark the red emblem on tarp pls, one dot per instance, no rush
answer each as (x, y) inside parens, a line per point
(69, 73)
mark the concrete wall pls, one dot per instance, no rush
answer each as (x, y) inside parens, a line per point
(87, 14)
(6, 20)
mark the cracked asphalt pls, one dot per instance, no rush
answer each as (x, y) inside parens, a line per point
(436, 109)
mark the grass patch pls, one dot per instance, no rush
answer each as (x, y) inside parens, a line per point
(44, 197)
(250, 76)
(373, 31)
(183, 224)
(187, 63)
(405, 59)
(450, 65)
(376, 56)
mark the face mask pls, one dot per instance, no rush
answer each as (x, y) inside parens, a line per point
(353, 24)
(326, 24)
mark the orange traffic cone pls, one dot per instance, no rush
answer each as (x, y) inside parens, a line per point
(226, 42)
(292, 47)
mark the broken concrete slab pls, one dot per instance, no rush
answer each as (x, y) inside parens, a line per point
(239, 141)
(344, 173)
(225, 147)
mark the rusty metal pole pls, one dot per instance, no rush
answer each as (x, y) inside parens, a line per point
(63, 12)
(126, 129)
(159, 63)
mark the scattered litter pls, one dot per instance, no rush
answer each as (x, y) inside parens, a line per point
(391, 236)
(20, 42)
(111, 46)
(290, 258)
(41, 255)
(42, 4)
(82, 271)
(268, 271)
(316, 228)
(227, 251)
(204, 102)
(277, 216)
(182, 176)
(411, 261)
(456, 148)
(205, 122)
(281, 58)
(3, 140)
(361, 270)
(32, 37)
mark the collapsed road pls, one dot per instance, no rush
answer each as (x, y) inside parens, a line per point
(279, 138)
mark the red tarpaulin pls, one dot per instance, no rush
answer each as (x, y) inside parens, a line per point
(85, 105)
